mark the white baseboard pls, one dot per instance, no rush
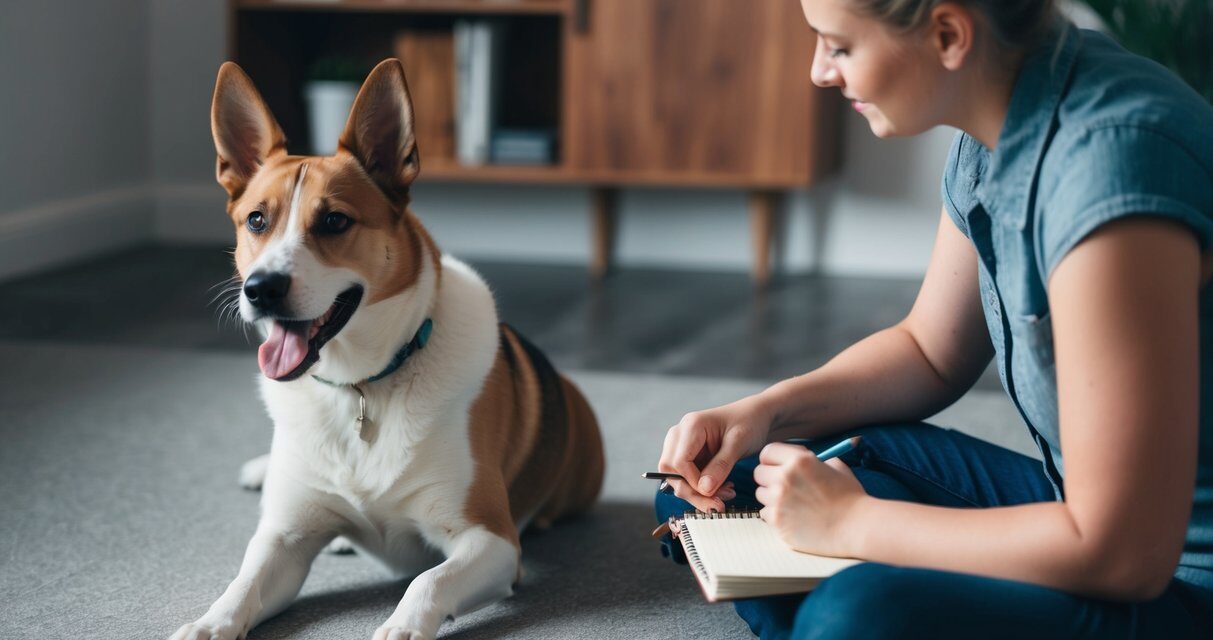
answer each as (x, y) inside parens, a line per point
(65, 231)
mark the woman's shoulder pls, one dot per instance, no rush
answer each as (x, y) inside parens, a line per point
(1125, 125)
(1132, 139)
(1113, 89)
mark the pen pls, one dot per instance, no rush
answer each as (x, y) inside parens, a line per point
(845, 446)
(657, 475)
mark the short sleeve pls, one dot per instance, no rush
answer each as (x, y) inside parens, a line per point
(961, 175)
(1117, 172)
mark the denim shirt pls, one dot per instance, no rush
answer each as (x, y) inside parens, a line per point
(1092, 134)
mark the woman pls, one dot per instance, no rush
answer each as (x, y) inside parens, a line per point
(1074, 248)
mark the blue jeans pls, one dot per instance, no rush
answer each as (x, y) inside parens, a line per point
(926, 464)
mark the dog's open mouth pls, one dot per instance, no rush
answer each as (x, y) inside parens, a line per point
(293, 346)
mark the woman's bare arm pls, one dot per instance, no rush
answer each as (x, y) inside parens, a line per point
(1125, 322)
(906, 372)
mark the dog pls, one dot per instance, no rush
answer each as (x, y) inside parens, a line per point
(407, 420)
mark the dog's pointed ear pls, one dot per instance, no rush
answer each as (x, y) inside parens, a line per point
(379, 132)
(245, 131)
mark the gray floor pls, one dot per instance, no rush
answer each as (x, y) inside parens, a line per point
(121, 517)
(125, 414)
(638, 321)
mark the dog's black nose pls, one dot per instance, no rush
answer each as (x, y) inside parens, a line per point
(267, 290)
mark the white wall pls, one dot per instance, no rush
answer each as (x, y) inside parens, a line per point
(188, 43)
(876, 218)
(74, 169)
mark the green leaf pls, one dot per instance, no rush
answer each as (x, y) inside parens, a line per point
(1175, 33)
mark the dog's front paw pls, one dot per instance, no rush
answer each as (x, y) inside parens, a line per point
(340, 545)
(400, 633)
(200, 631)
(252, 473)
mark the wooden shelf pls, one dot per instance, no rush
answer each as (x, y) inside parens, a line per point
(487, 7)
(450, 171)
(639, 93)
(445, 170)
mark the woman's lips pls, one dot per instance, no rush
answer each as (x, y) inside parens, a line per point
(859, 105)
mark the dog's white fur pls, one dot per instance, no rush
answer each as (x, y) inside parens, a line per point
(323, 480)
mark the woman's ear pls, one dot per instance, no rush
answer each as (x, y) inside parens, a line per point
(952, 31)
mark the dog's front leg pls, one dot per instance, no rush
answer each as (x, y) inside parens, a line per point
(480, 569)
(275, 564)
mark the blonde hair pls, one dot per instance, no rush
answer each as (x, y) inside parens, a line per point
(1017, 24)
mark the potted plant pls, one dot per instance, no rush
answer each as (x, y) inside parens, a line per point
(329, 91)
(1175, 33)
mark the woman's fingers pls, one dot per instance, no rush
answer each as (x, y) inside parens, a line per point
(838, 464)
(685, 444)
(764, 475)
(779, 453)
(690, 441)
(700, 502)
(718, 468)
(666, 462)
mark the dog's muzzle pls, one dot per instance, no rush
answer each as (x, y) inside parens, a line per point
(266, 291)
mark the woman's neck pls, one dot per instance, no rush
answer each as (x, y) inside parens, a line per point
(985, 98)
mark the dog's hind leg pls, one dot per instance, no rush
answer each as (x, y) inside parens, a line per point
(577, 485)
(252, 473)
(480, 569)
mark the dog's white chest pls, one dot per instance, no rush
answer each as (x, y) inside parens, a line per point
(393, 538)
(413, 472)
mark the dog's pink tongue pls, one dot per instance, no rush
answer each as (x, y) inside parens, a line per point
(284, 349)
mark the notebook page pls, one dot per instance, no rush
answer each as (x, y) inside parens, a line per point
(750, 547)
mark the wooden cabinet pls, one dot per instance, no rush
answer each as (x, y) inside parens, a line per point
(679, 93)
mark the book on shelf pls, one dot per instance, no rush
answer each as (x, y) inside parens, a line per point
(478, 47)
(737, 554)
(523, 146)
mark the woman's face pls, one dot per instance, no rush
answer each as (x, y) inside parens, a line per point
(892, 79)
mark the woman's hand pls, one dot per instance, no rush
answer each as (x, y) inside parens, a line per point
(704, 446)
(812, 504)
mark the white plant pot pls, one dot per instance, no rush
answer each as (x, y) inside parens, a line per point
(328, 107)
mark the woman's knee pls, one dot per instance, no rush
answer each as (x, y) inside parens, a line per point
(889, 438)
(865, 601)
(884, 486)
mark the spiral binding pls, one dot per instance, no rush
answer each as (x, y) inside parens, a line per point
(688, 545)
(729, 513)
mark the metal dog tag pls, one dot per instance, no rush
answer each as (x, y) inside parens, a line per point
(361, 421)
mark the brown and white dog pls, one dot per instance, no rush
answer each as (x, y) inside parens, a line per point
(468, 441)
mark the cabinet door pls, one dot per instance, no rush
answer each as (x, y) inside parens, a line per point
(697, 92)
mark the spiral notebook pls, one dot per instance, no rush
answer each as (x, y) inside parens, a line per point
(738, 555)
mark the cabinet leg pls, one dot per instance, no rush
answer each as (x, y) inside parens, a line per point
(764, 219)
(603, 210)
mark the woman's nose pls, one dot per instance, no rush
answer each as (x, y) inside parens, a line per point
(822, 71)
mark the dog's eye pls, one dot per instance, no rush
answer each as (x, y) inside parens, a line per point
(335, 222)
(255, 222)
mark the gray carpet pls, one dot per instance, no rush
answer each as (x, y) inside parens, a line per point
(122, 517)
